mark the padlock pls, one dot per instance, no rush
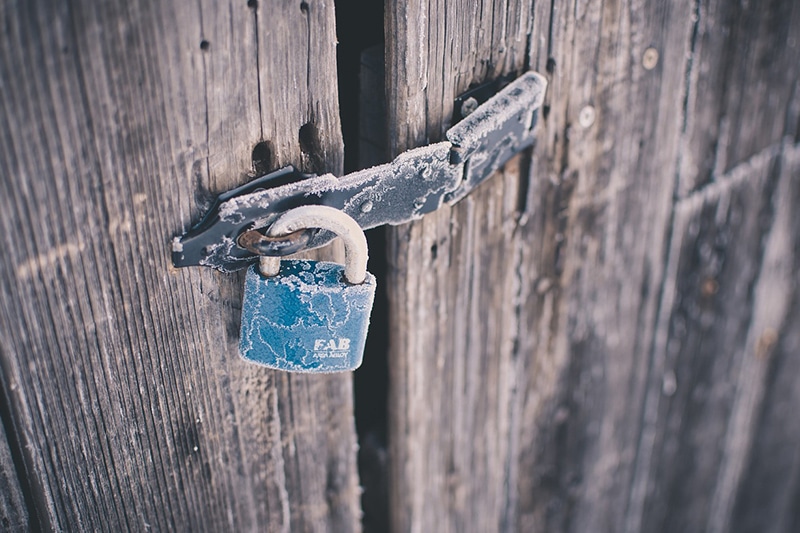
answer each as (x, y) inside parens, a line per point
(309, 316)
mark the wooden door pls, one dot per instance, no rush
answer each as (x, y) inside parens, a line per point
(125, 404)
(604, 337)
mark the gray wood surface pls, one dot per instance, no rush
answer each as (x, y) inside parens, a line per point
(13, 513)
(119, 123)
(603, 337)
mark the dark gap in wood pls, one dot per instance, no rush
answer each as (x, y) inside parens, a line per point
(204, 198)
(792, 120)
(359, 29)
(550, 23)
(359, 25)
(797, 130)
(528, 44)
(524, 183)
(309, 140)
(372, 380)
(253, 5)
(312, 148)
(371, 383)
(263, 160)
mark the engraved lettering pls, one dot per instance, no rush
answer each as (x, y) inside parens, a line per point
(331, 348)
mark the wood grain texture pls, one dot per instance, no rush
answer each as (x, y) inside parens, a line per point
(742, 94)
(573, 345)
(766, 497)
(132, 409)
(13, 513)
(729, 294)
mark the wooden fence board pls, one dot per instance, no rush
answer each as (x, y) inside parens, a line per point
(729, 289)
(742, 85)
(449, 404)
(120, 122)
(767, 497)
(534, 356)
(741, 115)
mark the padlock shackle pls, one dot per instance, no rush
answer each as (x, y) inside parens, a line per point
(331, 219)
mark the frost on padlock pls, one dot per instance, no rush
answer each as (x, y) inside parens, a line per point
(305, 319)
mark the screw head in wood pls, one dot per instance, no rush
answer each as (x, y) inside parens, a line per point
(586, 116)
(468, 106)
(650, 58)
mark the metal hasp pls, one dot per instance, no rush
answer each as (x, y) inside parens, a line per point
(417, 182)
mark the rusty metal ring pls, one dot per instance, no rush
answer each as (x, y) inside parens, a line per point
(330, 219)
(259, 244)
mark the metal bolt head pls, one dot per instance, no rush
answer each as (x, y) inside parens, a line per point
(650, 58)
(586, 116)
(468, 106)
(367, 206)
(669, 383)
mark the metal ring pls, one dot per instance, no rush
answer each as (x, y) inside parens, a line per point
(257, 243)
(331, 219)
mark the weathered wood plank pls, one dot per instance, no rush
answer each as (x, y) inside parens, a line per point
(741, 102)
(531, 360)
(742, 86)
(726, 330)
(515, 318)
(726, 298)
(119, 123)
(610, 146)
(768, 490)
(451, 435)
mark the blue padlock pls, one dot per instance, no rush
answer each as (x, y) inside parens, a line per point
(309, 316)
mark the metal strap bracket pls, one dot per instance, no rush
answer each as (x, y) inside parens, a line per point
(417, 182)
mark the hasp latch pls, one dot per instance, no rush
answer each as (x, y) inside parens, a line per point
(232, 234)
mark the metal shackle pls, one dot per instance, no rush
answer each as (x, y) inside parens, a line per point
(327, 218)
